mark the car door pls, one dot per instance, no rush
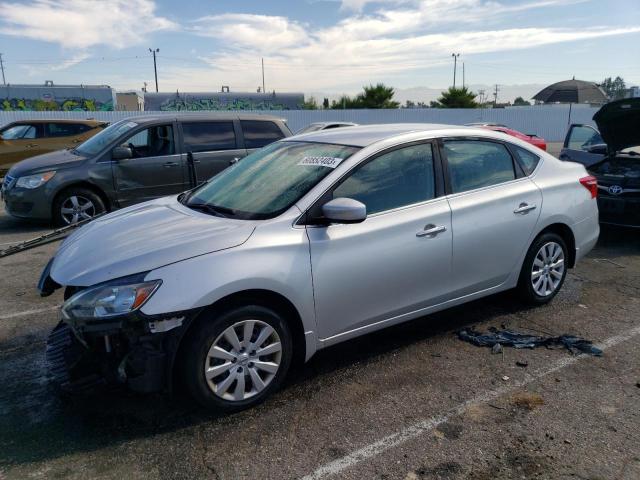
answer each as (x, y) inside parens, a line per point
(579, 139)
(398, 260)
(21, 141)
(494, 210)
(213, 145)
(154, 170)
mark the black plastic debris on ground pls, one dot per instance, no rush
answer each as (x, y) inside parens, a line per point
(523, 340)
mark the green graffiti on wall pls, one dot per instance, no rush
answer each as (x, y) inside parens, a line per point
(197, 104)
(69, 105)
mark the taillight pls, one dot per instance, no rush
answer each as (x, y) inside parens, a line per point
(590, 183)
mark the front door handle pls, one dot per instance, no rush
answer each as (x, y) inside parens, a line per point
(524, 208)
(31, 145)
(234, 161)
(170, 164)
(431, 230)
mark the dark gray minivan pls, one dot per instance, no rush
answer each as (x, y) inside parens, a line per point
(133, 160)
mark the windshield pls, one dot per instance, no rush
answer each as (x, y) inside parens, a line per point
(103, 139)
(19, 131)
(267, 182)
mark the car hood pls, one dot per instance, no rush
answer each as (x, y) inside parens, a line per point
(141, 238)
(619, 124)
(46, 161)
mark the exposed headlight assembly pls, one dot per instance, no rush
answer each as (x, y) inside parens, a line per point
(109, 299)
(34, 181)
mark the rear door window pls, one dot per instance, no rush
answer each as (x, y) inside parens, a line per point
(528, 160)
(258, 133)
(475, 164)
(66, 129)
(208, 136)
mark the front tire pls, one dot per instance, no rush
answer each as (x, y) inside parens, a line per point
(544, 269)
(76, 204)
(237, 359)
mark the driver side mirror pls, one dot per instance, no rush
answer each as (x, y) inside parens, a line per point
(599, 149)
(121, 153)
(344, 210)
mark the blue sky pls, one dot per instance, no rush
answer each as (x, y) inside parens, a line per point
(329, 46)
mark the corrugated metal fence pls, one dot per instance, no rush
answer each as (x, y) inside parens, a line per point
(548, 121)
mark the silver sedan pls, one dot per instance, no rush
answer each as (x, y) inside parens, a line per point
(312, 241)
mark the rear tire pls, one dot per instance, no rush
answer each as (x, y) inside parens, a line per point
(76, 204)
(544, 269)
(223, 367)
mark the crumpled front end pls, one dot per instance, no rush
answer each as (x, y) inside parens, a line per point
(134, 351)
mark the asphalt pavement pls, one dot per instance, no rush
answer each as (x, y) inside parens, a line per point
(409, 402)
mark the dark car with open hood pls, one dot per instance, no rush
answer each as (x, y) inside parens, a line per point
(612, 155)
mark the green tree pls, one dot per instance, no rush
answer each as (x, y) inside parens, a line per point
(521, 102)
(615, 89)
(373, 96)
(457, 98)
(378, 96)
(310, 104)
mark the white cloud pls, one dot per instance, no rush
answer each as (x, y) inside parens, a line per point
(383, 45)
(83, 23)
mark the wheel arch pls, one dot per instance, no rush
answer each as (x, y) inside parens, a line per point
(565, 232)
(261, 297)
(83, 184)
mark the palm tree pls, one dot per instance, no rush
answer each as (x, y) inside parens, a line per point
(457, 98)
(378, 96)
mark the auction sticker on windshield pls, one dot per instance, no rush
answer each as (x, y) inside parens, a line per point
(330, 162)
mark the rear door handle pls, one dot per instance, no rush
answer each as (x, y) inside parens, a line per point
(234, 161)
(170, 164)
(524, 208)
(431, 230)
(31, 145)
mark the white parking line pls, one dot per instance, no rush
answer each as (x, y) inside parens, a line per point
(429, 424)
(29, 312)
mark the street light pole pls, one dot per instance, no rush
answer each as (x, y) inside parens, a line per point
(455, 65)
(155, 68)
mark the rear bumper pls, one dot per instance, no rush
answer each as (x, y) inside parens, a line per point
(586, 233)
(620, 211)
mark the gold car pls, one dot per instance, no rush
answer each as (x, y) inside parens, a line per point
(24, 139)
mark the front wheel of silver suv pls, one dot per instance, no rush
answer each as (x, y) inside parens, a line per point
(236, 360)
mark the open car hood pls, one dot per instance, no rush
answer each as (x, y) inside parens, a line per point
(619, 124)
(141, 238)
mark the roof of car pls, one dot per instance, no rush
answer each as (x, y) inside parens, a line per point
(202, 116)
(87, 121)
(364, 135)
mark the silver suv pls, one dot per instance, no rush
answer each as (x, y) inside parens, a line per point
(308, 242)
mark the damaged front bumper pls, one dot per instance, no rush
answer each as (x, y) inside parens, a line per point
(135, 351)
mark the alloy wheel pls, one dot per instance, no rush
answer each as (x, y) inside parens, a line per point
(243, 360)
(77, 208)
(548, 269)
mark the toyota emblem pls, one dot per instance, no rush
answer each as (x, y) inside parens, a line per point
(615, 189)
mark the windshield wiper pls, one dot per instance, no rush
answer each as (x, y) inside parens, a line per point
(219, 211)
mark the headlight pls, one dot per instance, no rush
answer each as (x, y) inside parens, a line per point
(34, 181)
(109, 300)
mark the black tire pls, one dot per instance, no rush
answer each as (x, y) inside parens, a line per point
(525, 287)
(202, 337)
(64, 197)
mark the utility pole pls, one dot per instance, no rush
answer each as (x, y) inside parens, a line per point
(463, 75)
(495, 95)
(155, 68)
(4, 82)
(455, 66)
(263, 90)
